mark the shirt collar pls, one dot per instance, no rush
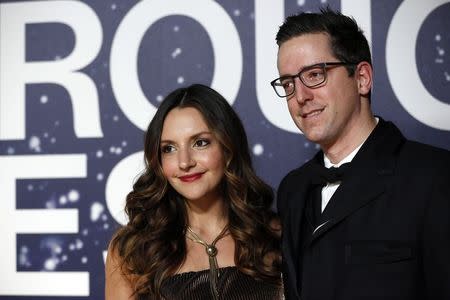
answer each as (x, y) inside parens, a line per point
(328, 164)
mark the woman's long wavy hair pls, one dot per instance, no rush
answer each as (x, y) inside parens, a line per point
(152, 245)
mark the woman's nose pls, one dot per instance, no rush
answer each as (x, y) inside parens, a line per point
(185, 159)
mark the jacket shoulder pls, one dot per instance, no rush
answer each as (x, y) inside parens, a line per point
(292, 183)
(293, 176)
(424, 154)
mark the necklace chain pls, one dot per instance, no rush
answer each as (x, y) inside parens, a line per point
(211, 250)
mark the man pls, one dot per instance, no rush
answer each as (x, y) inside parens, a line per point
(381, 228)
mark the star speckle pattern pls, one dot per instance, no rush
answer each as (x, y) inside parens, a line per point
(164, 67)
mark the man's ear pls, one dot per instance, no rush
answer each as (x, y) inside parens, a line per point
(364, 76)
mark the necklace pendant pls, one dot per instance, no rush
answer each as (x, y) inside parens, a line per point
(211, 250)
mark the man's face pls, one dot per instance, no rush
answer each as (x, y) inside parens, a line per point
(327, 113)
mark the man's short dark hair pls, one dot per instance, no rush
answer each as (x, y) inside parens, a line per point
(348, 42)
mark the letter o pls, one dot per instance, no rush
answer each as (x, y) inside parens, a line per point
(120, 183)
(402, 69)
(124, 52)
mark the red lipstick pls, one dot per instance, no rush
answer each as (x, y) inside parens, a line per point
(190, 177)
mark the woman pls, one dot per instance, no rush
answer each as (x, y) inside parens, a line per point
(200, 220)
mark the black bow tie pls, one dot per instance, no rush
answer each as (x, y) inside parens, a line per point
(322, 175)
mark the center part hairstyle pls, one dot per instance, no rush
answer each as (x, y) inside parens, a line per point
(152, 246)
(348, 43)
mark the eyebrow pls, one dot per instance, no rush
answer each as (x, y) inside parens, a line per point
(192, 137)
(284, 76)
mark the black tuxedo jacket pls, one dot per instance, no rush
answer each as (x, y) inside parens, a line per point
(385, 234)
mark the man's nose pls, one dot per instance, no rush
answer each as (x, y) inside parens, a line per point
(302, 93)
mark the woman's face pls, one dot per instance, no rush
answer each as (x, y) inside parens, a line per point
(191, 157)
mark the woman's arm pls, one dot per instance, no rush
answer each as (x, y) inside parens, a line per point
(117, 285)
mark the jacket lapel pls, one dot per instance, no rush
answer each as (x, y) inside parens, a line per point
(348, 198)
(368, 178)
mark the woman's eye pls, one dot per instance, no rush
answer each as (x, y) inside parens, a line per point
(167, 149)
(201, 143)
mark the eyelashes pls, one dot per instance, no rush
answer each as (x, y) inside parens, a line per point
(202, 143)
(167, 149)
(198, 143)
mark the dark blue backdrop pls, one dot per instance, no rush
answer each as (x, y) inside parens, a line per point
(79, 81)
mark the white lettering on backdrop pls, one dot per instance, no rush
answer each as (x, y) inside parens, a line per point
(402, 68)
(124, 50)
(37, 221)
(15, 72)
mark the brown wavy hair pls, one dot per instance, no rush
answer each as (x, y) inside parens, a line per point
(152, 245)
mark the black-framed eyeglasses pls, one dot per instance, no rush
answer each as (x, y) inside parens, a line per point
(311, 76)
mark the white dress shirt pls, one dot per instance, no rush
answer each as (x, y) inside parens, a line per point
(330, 188)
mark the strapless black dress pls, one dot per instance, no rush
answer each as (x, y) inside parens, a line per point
(232, 285)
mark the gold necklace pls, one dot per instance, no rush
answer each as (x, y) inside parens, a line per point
(211, 250)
